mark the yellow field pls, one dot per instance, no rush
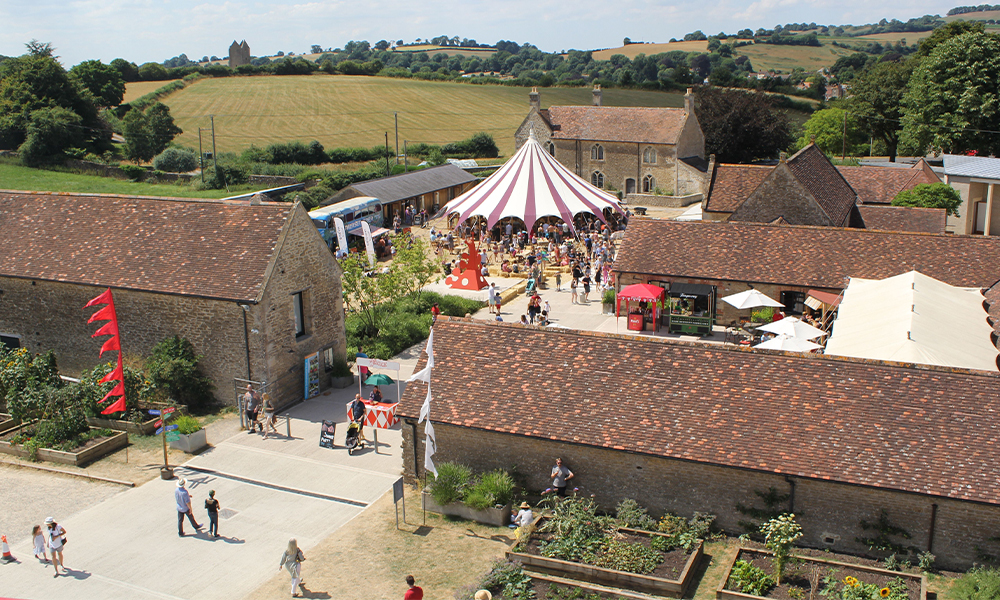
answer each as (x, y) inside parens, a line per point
(138, 89)
(976, 16)
(769, 57)
(340, 110)
(431, 50)
(911, 37)
(633, 50)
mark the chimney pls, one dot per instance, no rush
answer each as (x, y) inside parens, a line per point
(783, 157)
(812, 139)
(597, 95)
(535, 99)
(689, 102)
(708, 180)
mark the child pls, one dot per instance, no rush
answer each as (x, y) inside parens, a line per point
(212, 505)
(39, 539)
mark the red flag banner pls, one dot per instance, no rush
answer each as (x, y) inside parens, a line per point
(115, 407)
(109, 328)
(104, 298)
(105, 314)
(113, 343)
(115, 375)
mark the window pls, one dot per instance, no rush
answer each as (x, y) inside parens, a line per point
(597, 152)
(794, 302)
(597, 179)
(648, 184)
(329, 356)
(300, 318)
(551, 148)
(11, 342)
(649, 156)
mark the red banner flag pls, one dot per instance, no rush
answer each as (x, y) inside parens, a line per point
(118, 391)
(115, 407)
(111, 344)
(109, 328)
(104, 298)
(105, 314)
(115, 375)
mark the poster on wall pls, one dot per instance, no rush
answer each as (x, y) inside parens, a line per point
(312, 375)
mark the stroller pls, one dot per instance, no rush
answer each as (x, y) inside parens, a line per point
(326, 432)
(354, 441)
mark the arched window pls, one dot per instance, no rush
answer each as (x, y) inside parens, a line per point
(597, 178)
(649, 156)
(648, 184)
(597, 152)
(551, 148)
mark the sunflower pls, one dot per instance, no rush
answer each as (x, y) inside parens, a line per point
(884, 592)
(851, 581)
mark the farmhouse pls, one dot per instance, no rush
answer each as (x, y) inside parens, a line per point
(787, 262)
(426, 189)
(637, 150)
(250, 284)
(685, 427)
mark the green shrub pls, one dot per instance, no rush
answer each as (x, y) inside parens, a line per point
(630, 514)
(762, 315)
(578, 532)
(609, 297)
(176, 159)
(979, 583)
(750, 579)
(682, 533)
(186, 424)
(450, 483)
(133, 172)
(631, 558)
(138, 389)
(20, 371)
(499, 485)
(508, 580)
(173, 368)
(478, 499)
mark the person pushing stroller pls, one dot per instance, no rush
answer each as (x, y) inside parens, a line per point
(355, 438)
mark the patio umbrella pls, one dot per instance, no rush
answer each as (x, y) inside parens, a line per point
(790, 344)
(793, 327)
(750, 299)
(379, 379)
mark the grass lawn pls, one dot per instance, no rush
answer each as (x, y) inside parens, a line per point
(340, 110)
(769, 57)
(138, 89)
(633, 50)
(16, 177)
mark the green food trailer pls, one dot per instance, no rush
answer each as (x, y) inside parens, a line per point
(692, 308)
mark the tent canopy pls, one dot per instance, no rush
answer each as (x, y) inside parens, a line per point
(641, 292)
(529, 186)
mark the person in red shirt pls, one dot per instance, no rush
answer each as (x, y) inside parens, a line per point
(414, 593)
(435, 311)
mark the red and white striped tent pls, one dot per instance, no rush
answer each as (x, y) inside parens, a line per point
(529, 186)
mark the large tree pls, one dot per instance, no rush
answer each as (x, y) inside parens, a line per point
(148, 131)
(741, 126)
(930, 195)
(877, 101)
(953, 100)
(835, 131)
(104, 82)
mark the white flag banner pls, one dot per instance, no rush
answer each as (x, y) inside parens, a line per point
(369, 244)
(430, 349)
(425, 410)
(430, 447)
(341, 234)
(425, 373)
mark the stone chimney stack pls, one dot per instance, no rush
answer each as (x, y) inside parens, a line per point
(535, 99)
(689, 102)
(783, 157)
(707, 183)
(597, 95)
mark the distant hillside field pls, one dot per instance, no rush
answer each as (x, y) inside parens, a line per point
(770, 57)
(633, 50)
(975, 16)
(431, 49)
(911, 37)
(138, 89)
(340, 110)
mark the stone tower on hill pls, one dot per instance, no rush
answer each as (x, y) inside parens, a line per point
(239, 54)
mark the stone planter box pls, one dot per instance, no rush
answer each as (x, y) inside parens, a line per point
(340, 383)
(673, 588)
(721, 593)
(191, 443)
(144, 428)
(77, 459)
(497, 517)
(607, 309)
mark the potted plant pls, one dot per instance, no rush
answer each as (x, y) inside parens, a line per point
(608, 302)
(341, 375)
(192, 437)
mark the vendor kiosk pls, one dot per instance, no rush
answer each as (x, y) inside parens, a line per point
(641, 303)
(692, 308)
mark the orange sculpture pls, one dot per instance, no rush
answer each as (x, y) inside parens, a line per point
(468, 274)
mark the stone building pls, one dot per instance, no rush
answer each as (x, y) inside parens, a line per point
(976, 179)
(635, 150)
(250, 284)
(788, 262)
(683, 427)
(426, 189)
(239, 54)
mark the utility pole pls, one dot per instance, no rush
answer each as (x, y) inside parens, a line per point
(395, 117)
(404, 156)
(843, 143)
(215, 156)
(201, 156)
(387, 154)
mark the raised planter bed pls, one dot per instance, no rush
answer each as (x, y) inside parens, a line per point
(662, 581)
(497, 517)
(144, 428)
(6, 422)
(543, 584)
(799, 573)
(88, 453)
(340, 383)
(191, 443)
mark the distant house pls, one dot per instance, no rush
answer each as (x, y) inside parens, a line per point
(635, 150)
(425, 189)
(250, 284)
(239, 54)
(976, 178)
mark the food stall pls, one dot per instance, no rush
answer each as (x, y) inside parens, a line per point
(692, 308)
(642, 303)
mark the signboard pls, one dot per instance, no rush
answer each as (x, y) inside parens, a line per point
(369, 244)
(154, 412)
(167, 428)
(173, 436)
(397, 490)
(374, 363)
(168, 410)
(341, 234)
(312, 375)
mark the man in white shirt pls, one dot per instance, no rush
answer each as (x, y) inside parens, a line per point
(493, 298)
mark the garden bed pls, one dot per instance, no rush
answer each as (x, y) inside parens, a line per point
(6, 422)
(143, 428)
(549, 587)
(670, 578)
(804, 573)
(86, 453)
(497, 517)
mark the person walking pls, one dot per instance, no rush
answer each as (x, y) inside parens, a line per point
(586, 289)
(269, 420)
(39, 540)
(292, 561)
(251, 404)
(560, 475)
(572, 290)
(56, 535)
(183, 500)
(558, 279)
(415, 592)
(212, 506)
(492, 298)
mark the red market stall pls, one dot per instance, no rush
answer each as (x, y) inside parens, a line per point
(642, 305)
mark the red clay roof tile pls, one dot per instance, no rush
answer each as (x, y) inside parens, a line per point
(617, 124)
(732, 184)
(903, 218)
(815, 171)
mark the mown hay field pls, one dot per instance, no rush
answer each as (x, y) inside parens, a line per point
(340, 110)
(633, 50)
(770, 57)
(431, 50)
(138, 89)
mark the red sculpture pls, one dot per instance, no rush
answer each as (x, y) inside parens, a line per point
(468, 275)
(114, 343)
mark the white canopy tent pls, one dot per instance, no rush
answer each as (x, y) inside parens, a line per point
(750, 299)
(789, 344)
(914, 318)
(529, 186)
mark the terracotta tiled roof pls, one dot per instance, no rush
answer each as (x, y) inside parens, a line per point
(815, 171)
(903, 218)
(191, 247)
(732, 184)
(818, 257)
(879, 185)
(859, 422)
(993, 298)
(617, 124)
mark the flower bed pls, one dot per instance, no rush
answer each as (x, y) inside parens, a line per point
(805, 575)
(90, 450)
(497, 517)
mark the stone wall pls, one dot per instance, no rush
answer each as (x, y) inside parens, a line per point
(830, 513)
(663, 201)
(622, 161)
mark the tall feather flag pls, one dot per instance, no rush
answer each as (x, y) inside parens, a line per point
(113, 343)
(430, 443)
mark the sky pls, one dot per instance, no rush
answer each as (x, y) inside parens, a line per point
(156, 30)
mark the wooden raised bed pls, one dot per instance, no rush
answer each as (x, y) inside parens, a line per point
(542, 582)
(673, 588)
(144, 428)
(7, 422)
(90, 452)
(917, 584)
